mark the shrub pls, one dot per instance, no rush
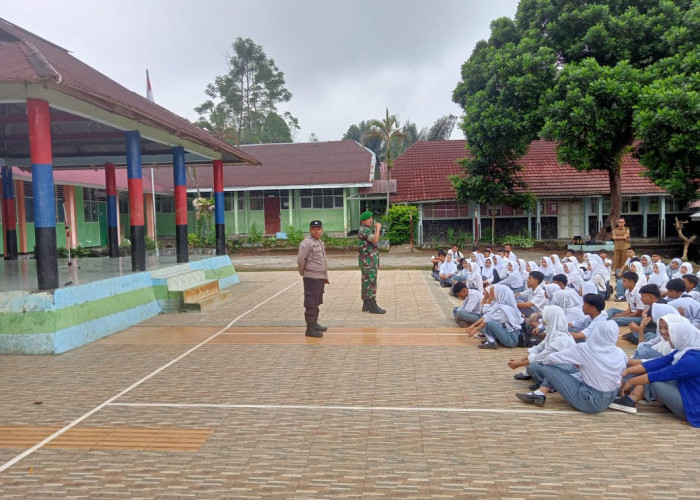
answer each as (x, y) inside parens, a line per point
(194, 240)
(518, 240)
(150, 244)
(398, 221)
(294, 236)
(254, 234)
(62, 252)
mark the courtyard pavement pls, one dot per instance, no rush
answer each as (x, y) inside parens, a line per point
(235, 402)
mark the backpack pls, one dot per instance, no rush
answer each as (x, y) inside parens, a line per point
(608, 291)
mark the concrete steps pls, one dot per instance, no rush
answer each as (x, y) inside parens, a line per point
(190, 289)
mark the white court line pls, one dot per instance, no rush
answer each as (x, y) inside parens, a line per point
(75, 422)
(387, 334)
(352, 408)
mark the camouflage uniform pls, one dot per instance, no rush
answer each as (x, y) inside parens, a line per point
(369, 262)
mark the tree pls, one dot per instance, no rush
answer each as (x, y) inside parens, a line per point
(518, 84)
(386, 130)
(275, 130)
(242, 99)
(358, 133)
(441, 129)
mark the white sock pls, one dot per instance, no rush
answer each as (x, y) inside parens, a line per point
(490, 338)
(539, 393)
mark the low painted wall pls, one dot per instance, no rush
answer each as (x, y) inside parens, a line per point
(60, 320)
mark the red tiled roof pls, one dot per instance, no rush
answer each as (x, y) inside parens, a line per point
(96, 179)
(295, 164)
(422, 171)
(28, 58)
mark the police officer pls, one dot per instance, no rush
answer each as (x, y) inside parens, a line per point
(369, 261)
(311, 262)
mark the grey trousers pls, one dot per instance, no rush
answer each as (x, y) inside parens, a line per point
(579, 395)
(669, 395)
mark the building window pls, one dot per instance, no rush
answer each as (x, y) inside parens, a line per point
(91, 199)
(28, 201)
(446, 210)
(321, 198)
(256, 201)
(59, 200)
(165, 204)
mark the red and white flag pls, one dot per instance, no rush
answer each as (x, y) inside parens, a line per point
(149, 90)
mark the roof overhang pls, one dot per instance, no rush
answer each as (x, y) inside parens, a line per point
(296, 186)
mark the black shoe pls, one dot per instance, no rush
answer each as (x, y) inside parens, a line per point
(533, 387)
(312, 332)
(365, 305)
(522, 376)
(530, 398)
(480, 336)
(374, 308)
(320, 328)
(625, 404)
(489, 345)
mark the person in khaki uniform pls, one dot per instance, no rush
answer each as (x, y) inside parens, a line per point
(311, 263)
(621, 239)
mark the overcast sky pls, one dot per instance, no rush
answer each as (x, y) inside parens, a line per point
(343, 61)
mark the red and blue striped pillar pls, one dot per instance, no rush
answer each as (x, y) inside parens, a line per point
(112, 231)
(219, 207)
(9, 217)
(180, 179)
(39, 120)
(135, 183)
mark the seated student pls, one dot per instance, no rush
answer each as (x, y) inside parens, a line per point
(463, 271)
(686, 305)
(437, 261)
(691, 283)
(664, 315)
(686, 268)
(479, 256)
(513, 279)
(470, 309)
(532, 299)
(559, 282)
(674, 269)
(447, 270)
(501, 321)
(594, 386)
(556, 339)
(619, 289)
(489, 274)
(646, 263)
(634, 301)
(594, 310)
(659, 277)
(556, 263)
(455, 253)
(572, 275)
(674, 379)
(572, 304)
(598, 275)
(547, 268)
(639, 331)
(656, 258)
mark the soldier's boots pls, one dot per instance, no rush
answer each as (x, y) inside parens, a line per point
(374, 308)
(311, 331)
(320, 328)
(365, 305)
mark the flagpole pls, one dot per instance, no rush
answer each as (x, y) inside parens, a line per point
(149, 96)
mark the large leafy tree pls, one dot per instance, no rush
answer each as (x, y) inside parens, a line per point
(571, 71)
(242, 100)
(388, 131)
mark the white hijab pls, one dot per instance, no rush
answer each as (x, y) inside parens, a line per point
(572, 275)
(674, 273)
(533, 266)
(558, 268)
(658, 343)
(684, 338)
(686, 268)
(557, 335)
(638, 268)
(659, 278)
(546, 265)
(474, 279)
(550, 290)
(588, 287)
(568, 300)
(504, 309)
(523, 271)
(487, 272)
(647, 268)
(598, 267)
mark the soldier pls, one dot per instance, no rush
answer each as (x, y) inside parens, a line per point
(369, 261)
(311, 262)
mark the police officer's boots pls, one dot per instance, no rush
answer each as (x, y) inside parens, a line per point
(374, 308)
(311, 330)
(320, 328)
(365, 304)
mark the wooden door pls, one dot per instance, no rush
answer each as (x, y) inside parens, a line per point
(273, 223)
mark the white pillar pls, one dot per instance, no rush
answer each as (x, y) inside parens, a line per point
(420, 224)
(290, 194)
(237, 230)
(538, 220)
(600, 213)
(645, 211)
(345, 212)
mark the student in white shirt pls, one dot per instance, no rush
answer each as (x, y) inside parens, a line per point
(594, 310)
(532, 299)
(470, 309)
(447, 270)
(635, 306)
(595, 382)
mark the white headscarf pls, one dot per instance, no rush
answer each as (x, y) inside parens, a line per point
(546, 265)
(474, 279)
(568, 300)
(557, 335)
(558, 268)
(638, 268)
(523, 271)
(588, 287)
(598, 267)
(684, 338)
(658, 343)
(659, 278)
(674, 273)
(572, 275)
(686, 268)
(647, 268)
(504, 309)
(487, 272)
(550, 290)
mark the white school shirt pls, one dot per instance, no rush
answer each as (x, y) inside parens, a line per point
(634, 299)
(455, 255)
(587, 325)
(472, 304)
(535, 296)
(449, 268)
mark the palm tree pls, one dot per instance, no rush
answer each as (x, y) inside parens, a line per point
(387, 131)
